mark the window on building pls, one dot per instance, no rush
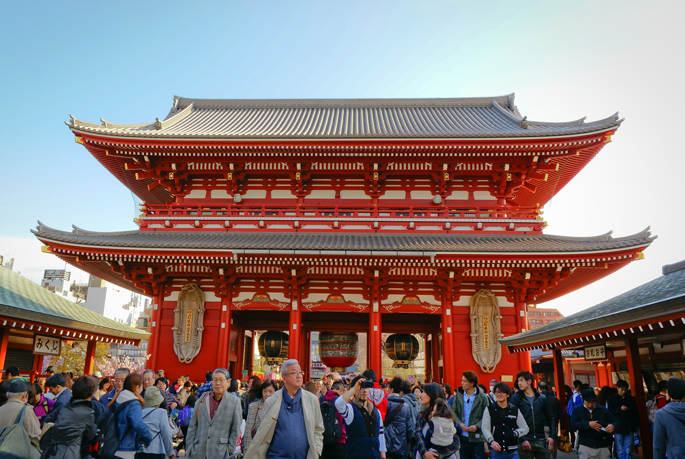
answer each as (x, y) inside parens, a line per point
(534, 313)
(550, 314)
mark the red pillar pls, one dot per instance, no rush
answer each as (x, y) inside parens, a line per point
(88, 366)
(522, 326)
(559, 383)
(4, 339)
(435, 350)
(240, 363)
(224, 332)
(294, 332)
(635, 375)
(250, 355)
(374, 341)
(155, 329)
(448, 363)
(306, 364)
(427, 351)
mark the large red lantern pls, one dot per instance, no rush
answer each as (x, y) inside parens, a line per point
(338, 350)
(402, 348)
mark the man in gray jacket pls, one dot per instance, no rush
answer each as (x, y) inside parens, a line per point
(669, 423)
(399, 423)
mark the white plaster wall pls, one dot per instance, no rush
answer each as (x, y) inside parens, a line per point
(457, 195)
(393, 195)
(254, 194)
(421, 194)
(321, 194)
(353, 194)
(196, 194)
(282, 194)
(220, 194)
(484, 196)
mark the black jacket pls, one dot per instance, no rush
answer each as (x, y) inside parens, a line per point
(400, 432)
(537, 416)
(587, 436)
(73, 422)
(557, 409)
(626, 421)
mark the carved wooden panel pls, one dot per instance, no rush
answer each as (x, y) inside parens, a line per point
(188, 323)
(485, 330)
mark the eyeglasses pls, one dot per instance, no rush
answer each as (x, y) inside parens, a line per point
(295, 373)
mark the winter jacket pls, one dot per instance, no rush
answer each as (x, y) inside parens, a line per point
(157, 422)
(105, 399)
(170, 398)
(557, 409)
(214, 437)
(44, 407)
(62, 399)
(480, 402)
(669, 431)
(133, 432)
(626, 421)
(73, 422)
(504, 426)
(399, 433)
(413, 405)
(538, 415)
(587, 436)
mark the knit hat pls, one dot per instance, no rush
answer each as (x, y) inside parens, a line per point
(589, 395)
(17, 386)
(153, 397)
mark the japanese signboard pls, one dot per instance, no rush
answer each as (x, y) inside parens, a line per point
(595, 352)
(57, 274)
(47, 345)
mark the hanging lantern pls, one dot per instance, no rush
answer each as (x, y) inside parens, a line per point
(338, 350)
(273, 346)
(402, 348)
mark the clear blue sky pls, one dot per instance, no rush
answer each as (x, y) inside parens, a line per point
(123, 61)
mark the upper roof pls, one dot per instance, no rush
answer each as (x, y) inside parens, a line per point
(459, 243)
(643, 302)
(344, 119)
(23, 299)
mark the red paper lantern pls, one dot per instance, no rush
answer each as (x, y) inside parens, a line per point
(338, 350)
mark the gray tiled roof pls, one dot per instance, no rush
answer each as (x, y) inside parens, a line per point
(643, 302)
(348, 241)
(345, 118)
(21, 298)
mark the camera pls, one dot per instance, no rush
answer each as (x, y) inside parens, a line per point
(367, 384)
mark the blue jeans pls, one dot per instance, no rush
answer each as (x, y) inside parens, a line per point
(469, 450)
(509, 455)
(624, 445)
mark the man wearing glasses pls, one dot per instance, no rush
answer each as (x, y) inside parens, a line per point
(291, 422)
(503, 424)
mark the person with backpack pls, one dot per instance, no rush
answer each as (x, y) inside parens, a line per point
(127, 409)
(254, 412)
(157, 422)
(398, 423)
(334, 435)
(503, 424)
(537, 411)
(17, 413)
(74, 423)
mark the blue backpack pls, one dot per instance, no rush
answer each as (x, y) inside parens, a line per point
(183, 416)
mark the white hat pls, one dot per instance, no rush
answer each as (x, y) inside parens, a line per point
(97, 374)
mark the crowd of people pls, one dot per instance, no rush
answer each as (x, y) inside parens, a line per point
(144, 415)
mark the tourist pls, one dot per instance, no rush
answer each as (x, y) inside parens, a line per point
(185, 392)
(503, 424)
(669, 423)
(133, 433)
(557, 411)
(58, 389)
(595, 425)
(148, 380)
(157, 422)
(431, 393)
(207, 385)
(398, 423)
(285, 431)
(170, 400)
(4, 387)
(254, 412)
(624, 408)
(214, 428)
(43, 405)
(604, 394)
(538, 414)
(363, 421)
(174, 389)
(468, 407)
(448, 393)
(105, 385)
(409, 397)
(233, 388)
(75, 422)
(337, 450)
(248, 396)
(119, 377)
(11, 412)
(491, 394)
(439, 436)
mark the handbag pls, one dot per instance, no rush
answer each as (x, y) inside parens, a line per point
(564, 444)
(175, 429)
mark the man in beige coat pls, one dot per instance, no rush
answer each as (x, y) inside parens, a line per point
(17, 398)
(291, 422)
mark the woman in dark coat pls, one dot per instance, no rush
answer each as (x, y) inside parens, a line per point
(73, 422)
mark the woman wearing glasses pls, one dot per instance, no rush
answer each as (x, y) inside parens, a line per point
(291, 422)
(215, 426)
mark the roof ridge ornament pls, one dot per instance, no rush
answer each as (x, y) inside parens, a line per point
(524, 123)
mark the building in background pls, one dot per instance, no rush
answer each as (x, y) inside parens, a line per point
(537, 317)
(114, 302)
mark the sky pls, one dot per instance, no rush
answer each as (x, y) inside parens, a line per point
(124, 61)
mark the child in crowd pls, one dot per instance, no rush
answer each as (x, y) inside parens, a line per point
(441, 429)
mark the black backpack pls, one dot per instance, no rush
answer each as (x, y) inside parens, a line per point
(333, 429)
(109, 432)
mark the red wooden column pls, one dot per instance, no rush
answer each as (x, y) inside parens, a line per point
(250, 354)
(522, 326)
(294, 331)
(240, 363)
(374, 340)
(155, 328)
(4, 339)
(448, 363)
(435, 351)
(88, 367)
(635, 375)
(306, 363)
(225, 331)
(427, 352)
(559, 383)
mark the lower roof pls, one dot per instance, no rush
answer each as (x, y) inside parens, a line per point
(661, 297)
(349, 242)
(24, 300)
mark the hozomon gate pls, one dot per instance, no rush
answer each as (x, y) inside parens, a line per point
(375, 216)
